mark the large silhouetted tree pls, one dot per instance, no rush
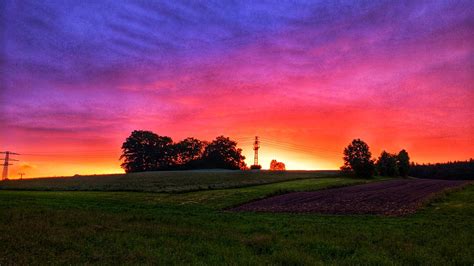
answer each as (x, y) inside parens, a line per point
(188, 151)
(223, 153)
(146, 151)
(403, 162)
(357, 159)
(164, 153)
(387, 164)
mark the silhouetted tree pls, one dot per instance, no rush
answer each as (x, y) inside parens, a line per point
(387, 164)
(403, 162)
(255, 167)
(146, 151)
(357, 159)
(277, 166)
(188, 151)
(164, 153)
(223, 153)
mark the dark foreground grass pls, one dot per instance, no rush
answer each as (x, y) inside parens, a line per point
(191, 228)
(162, 181)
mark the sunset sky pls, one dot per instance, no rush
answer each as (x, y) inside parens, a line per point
(307, 77)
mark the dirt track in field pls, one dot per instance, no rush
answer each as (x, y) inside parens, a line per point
(394, 198)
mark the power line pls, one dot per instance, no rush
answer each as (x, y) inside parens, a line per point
(290, 144)
(318, 151)
(69, 155)
(85, 152)
(300, 145)
(295, 147)
(6, 163)
(298, 148)
(306, 150)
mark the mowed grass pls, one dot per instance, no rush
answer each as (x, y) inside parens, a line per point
(162, 181)
(193, 228)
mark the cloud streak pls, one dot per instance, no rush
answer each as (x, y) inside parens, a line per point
(398, 74)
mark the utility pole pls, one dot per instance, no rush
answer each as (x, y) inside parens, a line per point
(256, 146)
(6, 163)
(21, 175)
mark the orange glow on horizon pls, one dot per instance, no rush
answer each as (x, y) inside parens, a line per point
(103, 159)
(307, 84)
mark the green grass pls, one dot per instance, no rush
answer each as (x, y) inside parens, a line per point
(191, 228)
(164, 181)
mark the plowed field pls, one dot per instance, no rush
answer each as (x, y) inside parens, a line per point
(394, 197)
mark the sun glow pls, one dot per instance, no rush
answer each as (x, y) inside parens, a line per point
(399, 83)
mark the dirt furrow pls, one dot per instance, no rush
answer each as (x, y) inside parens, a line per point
(394, 197)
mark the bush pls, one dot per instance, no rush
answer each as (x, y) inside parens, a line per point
(255, 167)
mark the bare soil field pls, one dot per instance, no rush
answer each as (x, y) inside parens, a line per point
(394, 198)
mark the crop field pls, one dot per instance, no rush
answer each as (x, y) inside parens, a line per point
(165, 181)
(394, 197)
(195, 227)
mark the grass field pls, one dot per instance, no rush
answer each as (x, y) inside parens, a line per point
(64, 227)
(165, 181)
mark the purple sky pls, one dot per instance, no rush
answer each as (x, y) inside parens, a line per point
(78, 76)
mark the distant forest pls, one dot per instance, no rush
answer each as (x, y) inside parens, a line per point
(449, 170)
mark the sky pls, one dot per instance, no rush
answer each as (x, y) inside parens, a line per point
(307, 77)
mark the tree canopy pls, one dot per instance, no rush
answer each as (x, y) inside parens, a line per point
(223, 153)
(357, 159)
(403, 162)
(188, 150)
(387, 164)
(147, 151)
(277, 166)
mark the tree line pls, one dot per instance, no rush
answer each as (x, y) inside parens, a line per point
(358, 161)
(449, 170)
(147, 151)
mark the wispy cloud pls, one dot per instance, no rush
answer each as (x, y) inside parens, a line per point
(376, 68)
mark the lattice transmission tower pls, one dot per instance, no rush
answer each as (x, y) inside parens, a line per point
(256, 146)
(6, 162)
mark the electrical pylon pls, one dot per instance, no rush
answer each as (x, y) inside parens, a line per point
(6, 162)
(256, 146)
